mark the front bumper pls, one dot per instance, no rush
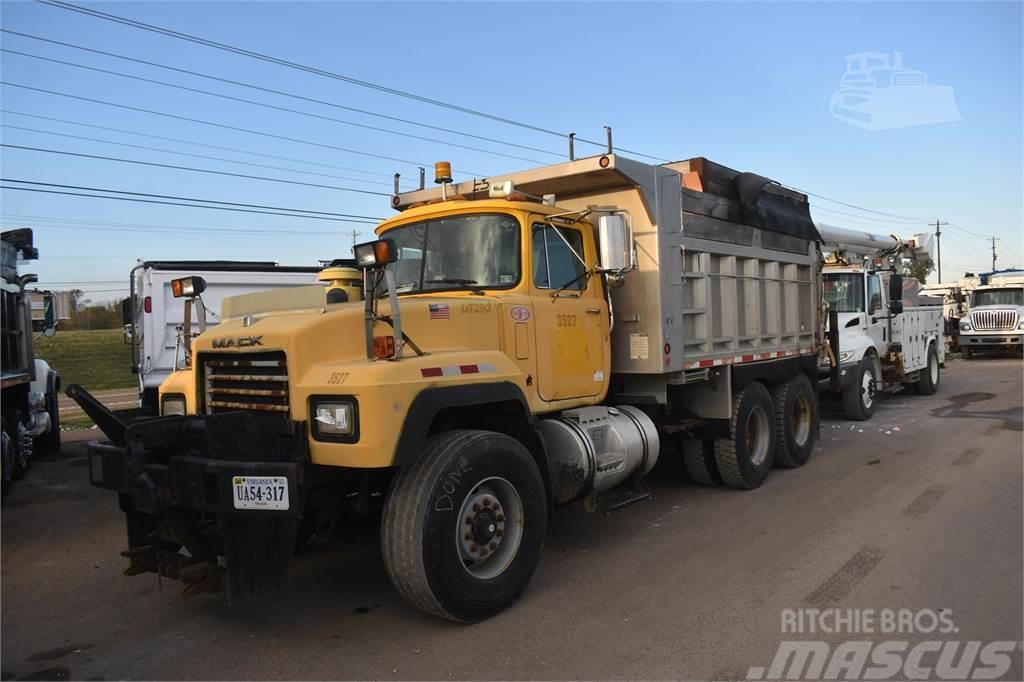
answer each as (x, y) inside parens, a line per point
(982, 340)
(174, 480)
(846, 375)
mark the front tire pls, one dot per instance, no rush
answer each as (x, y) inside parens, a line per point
(463, 527)
(859, 397)
(966, 352)
(796, 421)
(51, 441)
(928, 383)
(745, 458)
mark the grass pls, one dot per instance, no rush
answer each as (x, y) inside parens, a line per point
(97, 359)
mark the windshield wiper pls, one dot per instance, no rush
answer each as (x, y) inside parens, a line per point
(458, 280)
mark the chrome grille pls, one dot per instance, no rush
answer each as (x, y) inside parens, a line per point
(256, 382)
(994, 320)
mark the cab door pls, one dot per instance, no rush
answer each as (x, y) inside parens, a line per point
(877, 314)
(572, 317)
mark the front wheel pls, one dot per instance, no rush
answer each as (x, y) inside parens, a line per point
(928, 381)
(859, 394)
(463, 527)
(966, 352)
(51, 441)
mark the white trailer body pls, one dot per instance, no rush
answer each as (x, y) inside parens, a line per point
(154, 317)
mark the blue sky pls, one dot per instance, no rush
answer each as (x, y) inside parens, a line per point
(747, 85)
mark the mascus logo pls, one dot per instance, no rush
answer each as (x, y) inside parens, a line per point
(238, 341)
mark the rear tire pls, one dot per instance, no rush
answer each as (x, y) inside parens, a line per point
(859, 395)
(928, 381)
(796, 422)
(745, 458)
(6, 464)
(447, 547)
(699, 461)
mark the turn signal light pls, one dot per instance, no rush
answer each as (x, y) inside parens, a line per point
(383, 347)
(375, 254)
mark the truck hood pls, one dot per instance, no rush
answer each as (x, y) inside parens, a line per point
(335, 333)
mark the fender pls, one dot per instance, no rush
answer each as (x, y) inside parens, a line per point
(431, 401)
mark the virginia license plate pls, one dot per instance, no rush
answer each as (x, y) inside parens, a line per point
(260, 492)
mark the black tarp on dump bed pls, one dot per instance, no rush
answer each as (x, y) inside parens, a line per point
(772, 211)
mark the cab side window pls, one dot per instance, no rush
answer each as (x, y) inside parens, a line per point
(554, 264)
(874, 294)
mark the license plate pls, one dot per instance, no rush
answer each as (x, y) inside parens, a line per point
(260, 492)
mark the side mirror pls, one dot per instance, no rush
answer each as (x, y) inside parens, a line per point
(615, 243)
(49, 317)
(896, 307)
(896, 287)
(126, 311)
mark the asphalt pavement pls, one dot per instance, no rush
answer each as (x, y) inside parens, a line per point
(918, 509)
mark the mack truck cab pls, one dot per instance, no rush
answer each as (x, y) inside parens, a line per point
(882, 344)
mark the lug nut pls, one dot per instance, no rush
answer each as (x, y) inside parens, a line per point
(469, 520)
(499, 533)
(493, 546)
(477, 507)
(468, 536)
(487, 502)
(483, 552)
(501, 517)
(472, 548)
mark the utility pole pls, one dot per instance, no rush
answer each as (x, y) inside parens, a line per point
(355, 238)
(994, 240)
(938, 247)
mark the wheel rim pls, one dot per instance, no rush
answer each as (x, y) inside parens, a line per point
(933, 369)
(490, 528)
(757, 435)
(801, 421)
(867, 389)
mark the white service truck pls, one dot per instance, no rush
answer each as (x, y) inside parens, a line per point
(996, 317)
(154, 318)
(882, 343)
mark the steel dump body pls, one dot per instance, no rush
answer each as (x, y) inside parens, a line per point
(708, 289)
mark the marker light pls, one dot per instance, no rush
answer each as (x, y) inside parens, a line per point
(383, 347)
(188, 287)
(375, 254)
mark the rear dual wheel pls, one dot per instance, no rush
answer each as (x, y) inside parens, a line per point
(745, 457)
(463, 527)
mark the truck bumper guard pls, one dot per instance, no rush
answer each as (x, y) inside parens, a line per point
(175, 476)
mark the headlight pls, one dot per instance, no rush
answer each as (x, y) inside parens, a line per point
(965, 326)
(1020, 325)
(171, 404)
(846, 355)
(335, 419)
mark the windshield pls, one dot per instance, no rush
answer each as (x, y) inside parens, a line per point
(844, 293)
(463, 252)
(998, 297)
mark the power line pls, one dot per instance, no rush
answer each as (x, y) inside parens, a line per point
(884, 221)
(220, 205)
(973, 234)
(197, 156)
(222, 125)
(266, 105)
(177, 230)
(193, 170)
(197, 144)
(859, 208)
(319, 72)
(281, 92)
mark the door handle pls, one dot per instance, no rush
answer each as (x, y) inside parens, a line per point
(594, 311)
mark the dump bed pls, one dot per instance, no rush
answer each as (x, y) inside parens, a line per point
(728, 264)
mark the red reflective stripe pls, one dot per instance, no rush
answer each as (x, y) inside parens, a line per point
(705, 363)
(431, 371)
(469, 369)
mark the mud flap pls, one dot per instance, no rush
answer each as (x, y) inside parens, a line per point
(257, 551)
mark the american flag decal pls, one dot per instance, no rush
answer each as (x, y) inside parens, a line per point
(439, 311)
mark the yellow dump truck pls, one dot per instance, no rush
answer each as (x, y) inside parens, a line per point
(525, 342)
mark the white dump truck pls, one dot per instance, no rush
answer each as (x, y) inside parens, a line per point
(996, 317)
(883, 343)
(153, 317)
